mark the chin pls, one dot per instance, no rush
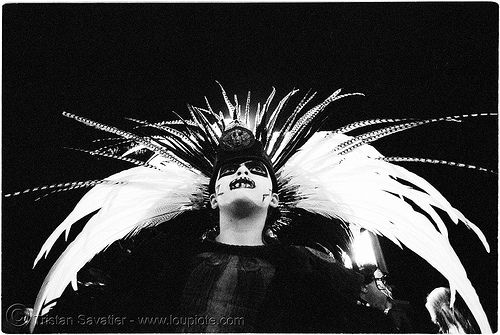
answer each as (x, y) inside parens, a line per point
(247, 203)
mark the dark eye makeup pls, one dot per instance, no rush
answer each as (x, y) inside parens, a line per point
(255, 167)
(228, 169)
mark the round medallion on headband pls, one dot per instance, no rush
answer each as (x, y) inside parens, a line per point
(236, 139)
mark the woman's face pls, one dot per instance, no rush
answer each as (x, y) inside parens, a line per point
(248, 182)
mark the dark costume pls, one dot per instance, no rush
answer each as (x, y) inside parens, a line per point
(174, 286)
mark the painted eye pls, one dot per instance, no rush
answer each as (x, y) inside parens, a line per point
(227, 170)
(257, 168)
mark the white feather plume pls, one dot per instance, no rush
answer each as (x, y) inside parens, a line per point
(363, 190)
(123, 210)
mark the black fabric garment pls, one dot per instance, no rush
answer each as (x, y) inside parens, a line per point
(171, 285)
(226, 290)
(374, 320)
(401, 315)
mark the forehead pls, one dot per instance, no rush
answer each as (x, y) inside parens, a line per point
(242, 160)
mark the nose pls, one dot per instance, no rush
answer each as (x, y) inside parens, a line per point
(242, 169)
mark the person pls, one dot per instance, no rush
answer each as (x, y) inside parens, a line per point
(236, 278)
(374, 291)
(451, 319)
(377, 293)
(282, 195)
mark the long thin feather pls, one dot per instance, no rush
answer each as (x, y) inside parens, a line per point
(436, 161)
(142, 140)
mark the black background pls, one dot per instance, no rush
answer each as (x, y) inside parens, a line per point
(111, 61)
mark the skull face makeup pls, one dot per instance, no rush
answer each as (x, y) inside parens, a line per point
(244, 183)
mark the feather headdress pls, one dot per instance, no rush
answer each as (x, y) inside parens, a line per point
(329, 174)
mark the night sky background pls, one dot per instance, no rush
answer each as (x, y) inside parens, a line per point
(112, 61)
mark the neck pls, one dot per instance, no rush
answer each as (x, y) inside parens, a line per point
(241, 230)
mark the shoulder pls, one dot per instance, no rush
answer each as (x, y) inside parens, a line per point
(323, 256)
(318, 257)
(325, 264)
(325, 260)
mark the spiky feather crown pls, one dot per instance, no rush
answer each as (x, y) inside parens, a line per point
(328, 175)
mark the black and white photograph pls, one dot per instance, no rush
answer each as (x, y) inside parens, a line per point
(250, 167)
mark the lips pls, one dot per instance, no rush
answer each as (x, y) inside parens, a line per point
(242, 182)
